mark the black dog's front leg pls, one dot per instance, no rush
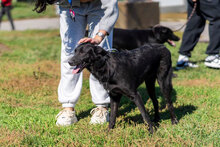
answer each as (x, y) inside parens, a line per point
(114, 102)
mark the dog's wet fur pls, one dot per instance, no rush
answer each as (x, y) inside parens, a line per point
(130, 39)
(121, 73)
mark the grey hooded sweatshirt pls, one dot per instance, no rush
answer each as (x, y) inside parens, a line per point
(108, 13)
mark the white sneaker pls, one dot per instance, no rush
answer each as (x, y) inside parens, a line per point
(100, 115)
(66, 118)
(213, 61)
(183, 62)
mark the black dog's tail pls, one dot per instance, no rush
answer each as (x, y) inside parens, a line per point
(165, 72)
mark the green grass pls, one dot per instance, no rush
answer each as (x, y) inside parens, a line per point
(22, 10)
(29, 75)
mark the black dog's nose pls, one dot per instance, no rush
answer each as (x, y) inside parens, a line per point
(70, 63)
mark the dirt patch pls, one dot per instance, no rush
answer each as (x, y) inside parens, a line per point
(10, 138)
(198, 82)
(44, 74)
(3, 48)
(39, 80)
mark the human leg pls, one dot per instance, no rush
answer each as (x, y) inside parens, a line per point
(8, 12)
(70, 84)
(191, 35)
(210, 10)
(99, 95)
(2, 12)
(193, 30)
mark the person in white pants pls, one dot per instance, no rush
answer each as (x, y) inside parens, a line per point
(100, 16)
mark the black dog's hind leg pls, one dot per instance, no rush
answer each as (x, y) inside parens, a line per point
(140, 104)
(165, 82)
(114, 104)
(150, 85)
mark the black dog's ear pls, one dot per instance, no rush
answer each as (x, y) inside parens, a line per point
(99, 50)
(157, 32)
(160, 29)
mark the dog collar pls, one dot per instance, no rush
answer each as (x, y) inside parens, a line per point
(112, 50)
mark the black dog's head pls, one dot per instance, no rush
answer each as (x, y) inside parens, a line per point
(87, 55)
(41, 5)
(165, 34)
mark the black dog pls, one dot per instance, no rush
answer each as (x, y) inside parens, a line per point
(122, 72)
(130, 39)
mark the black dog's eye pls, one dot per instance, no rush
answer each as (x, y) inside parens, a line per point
(164, 30)
(81, 51)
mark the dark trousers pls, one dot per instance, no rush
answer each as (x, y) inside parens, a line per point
(206, 10)
(7, 10)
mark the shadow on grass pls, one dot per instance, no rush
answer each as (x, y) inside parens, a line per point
(83, 114)
(128, 106)
(180, 112)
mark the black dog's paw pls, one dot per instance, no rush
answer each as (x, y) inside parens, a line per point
(156, 119)
(151, 130)
(109, 131)
(156, 125)
(174, 121)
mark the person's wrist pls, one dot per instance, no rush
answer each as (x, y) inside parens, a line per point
(98, 39)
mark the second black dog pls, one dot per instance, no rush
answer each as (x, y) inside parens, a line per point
(130, 39)
(121, 73)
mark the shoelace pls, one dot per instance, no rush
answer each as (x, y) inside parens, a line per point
(218, 57)
(69, 113)
(212, 58)
(100, 110)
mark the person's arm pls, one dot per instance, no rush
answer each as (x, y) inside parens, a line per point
(107, 22)
(110, 15)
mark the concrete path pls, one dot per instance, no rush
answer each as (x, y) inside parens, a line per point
(32, 24)
(53, 23)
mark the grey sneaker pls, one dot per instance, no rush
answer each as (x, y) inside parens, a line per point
(66, 118)
(213, 61)
(100, 115)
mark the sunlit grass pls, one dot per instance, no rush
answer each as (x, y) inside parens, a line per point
(29, 76)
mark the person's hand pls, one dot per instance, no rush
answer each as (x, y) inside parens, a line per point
(194, 0)
(95, 40)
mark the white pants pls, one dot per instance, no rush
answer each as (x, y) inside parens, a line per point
(71, 32)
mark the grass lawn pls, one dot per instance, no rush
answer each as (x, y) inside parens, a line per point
(29, 75)
(22, 10)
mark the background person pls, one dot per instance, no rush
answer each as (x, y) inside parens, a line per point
(206, 10)
(6, 9)
(100, 15)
